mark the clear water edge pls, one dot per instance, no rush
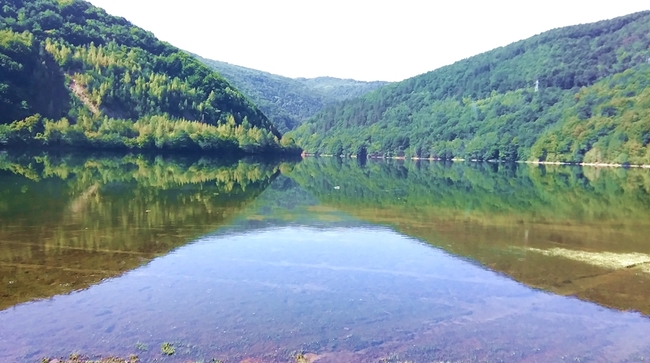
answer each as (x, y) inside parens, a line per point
(292, 269)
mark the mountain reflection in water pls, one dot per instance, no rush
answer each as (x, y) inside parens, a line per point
(67, 222)
(353, 262)
(568, 230)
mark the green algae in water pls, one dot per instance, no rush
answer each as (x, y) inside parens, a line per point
(168, 349)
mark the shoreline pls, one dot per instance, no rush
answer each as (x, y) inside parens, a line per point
(532, 162)
(597, 165)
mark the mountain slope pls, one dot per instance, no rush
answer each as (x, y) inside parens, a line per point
(499, 104)
(72, 75)
(287, 101)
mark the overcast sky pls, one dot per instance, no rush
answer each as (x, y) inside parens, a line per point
(360, 39)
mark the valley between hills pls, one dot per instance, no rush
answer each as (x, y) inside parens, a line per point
(152, 197)
(75, 77)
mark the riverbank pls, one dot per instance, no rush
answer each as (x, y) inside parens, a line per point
(598, 165)
(75, 358)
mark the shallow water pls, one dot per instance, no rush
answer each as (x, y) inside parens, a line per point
(401, 262)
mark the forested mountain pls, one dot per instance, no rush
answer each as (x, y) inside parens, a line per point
(287, 101)
(573, 94)
(72, 75)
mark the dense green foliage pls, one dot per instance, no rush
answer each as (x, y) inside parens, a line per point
(286, 101)
(74, 75)
(608, 122)
(487, 107)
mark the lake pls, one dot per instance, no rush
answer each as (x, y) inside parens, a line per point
(323, 260)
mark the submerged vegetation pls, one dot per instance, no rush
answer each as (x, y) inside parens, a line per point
(574, 94)
(74, 76)
(168, 349)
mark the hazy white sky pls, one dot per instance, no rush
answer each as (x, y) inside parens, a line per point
(360, 39)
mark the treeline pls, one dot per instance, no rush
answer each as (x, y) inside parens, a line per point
(93, 74)
(500, 105)
(147, 133)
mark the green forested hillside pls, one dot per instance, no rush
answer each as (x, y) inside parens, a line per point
(72, 75)
(607, 122)
(284, 100)
(572, 94)
(287, 101)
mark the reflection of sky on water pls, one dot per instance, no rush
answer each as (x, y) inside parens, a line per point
(364, 291)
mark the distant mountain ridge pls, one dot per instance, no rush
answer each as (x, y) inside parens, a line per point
(289, 101)
(341, 89)
(573, 94)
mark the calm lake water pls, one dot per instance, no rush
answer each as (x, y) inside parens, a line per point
(256, 261)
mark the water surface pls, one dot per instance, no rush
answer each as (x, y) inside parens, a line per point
(385, 261)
